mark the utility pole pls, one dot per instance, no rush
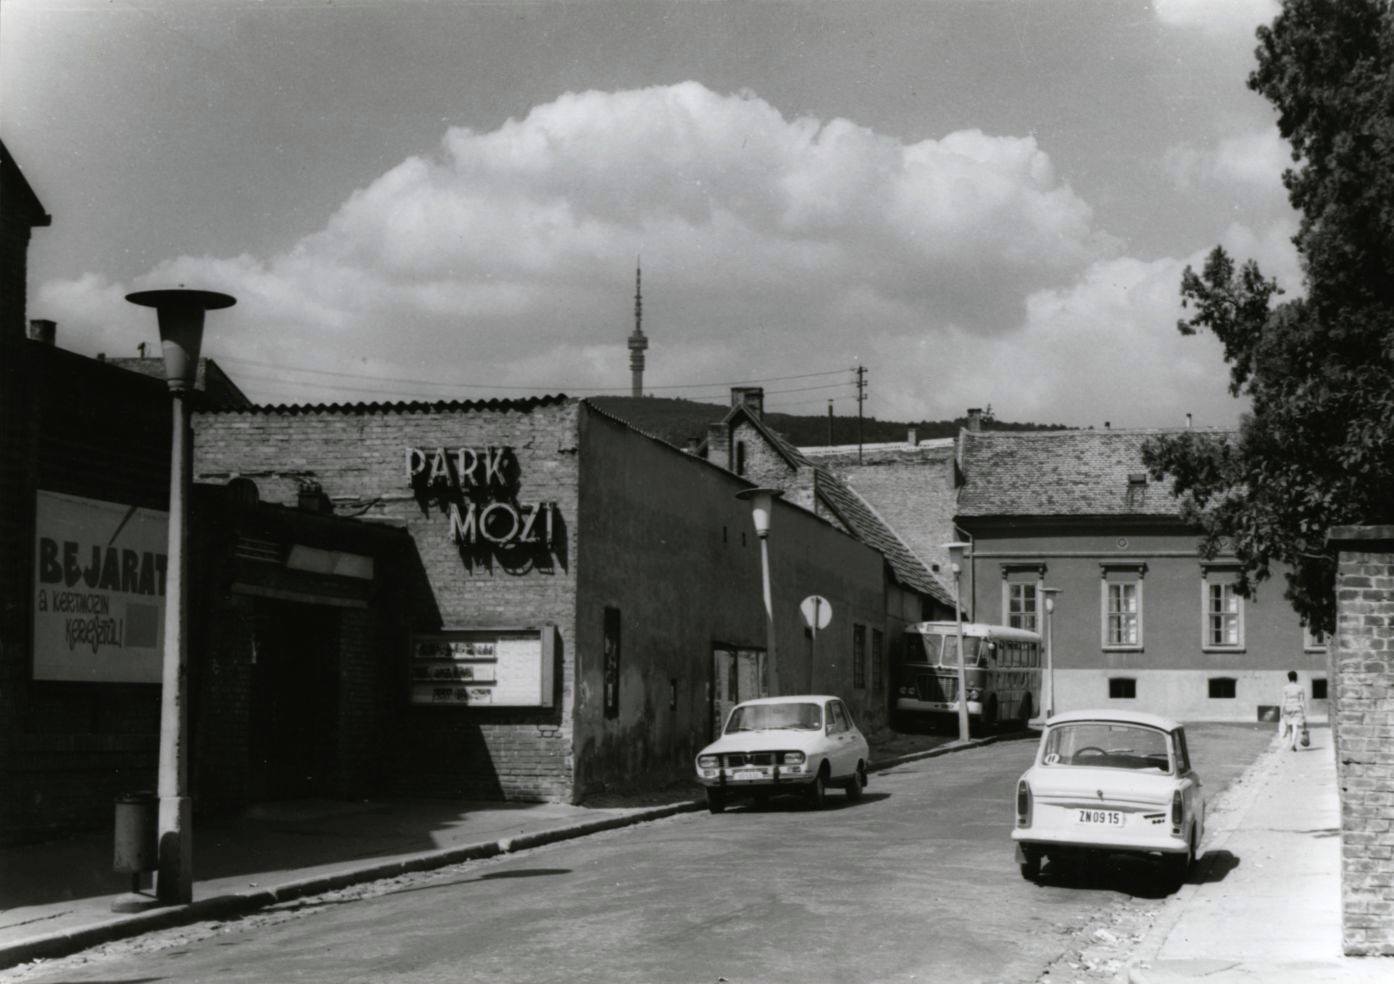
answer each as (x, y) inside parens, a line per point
(861, 398)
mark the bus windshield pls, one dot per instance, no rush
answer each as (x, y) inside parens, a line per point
(942, 650)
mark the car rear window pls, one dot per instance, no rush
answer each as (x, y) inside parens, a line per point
(1107, 745)
(775, 717)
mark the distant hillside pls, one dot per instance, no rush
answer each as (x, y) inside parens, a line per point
(678, 420)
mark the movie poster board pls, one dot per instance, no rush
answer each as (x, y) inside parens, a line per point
(99, 590)
(510, 667)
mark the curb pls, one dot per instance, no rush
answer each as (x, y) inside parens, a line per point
(1236, 801)
(235, 904)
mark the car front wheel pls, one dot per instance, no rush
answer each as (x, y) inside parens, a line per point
(818, 792)
(857, 783)
(716, 802)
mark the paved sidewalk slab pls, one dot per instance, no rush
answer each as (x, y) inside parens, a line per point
(1266, 904)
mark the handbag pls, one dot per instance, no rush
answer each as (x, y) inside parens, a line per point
(1306, 736)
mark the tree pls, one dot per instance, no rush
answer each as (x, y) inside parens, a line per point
(1316, 449)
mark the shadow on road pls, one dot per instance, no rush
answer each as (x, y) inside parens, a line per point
(1137, 877)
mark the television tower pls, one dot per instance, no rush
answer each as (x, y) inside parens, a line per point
(637, 342)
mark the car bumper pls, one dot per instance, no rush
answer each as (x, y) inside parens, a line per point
(914, 705)
(764, 783)
(1111, 842)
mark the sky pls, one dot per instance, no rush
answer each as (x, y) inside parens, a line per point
(985, 203)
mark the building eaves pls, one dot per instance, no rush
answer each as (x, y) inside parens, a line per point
(525, 405)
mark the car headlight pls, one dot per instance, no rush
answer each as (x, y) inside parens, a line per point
(793, 758)
(708, 761)
(974, 693)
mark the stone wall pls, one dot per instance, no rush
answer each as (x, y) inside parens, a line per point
(1362, 717)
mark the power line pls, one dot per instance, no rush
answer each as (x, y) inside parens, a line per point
(493, 386)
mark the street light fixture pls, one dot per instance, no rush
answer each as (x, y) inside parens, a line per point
(956, 550)
(1050, 594)
(180, 315)
(761, 511)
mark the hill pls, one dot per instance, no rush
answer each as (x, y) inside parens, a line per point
(677, 421)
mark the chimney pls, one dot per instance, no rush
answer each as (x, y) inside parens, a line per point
(43, 331)
(718, 445)
(693, 445)
(1188, 421)
(975, 419)
(1107, 425)
(310, 497)
(750, 397)
(911, 438)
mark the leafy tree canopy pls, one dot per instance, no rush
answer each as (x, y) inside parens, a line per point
(1317, 448)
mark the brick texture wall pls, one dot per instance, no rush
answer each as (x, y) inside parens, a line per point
(1362, 717)
(357, 456)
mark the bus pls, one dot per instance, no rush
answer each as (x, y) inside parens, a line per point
(1002, 673)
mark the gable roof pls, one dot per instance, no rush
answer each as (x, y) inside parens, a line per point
(868, 526)
(1061, 473)
(18, 198)
(861, 520)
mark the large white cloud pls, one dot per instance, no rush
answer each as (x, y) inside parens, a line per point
(1215, 16)
(1245, 167)
(962, 270)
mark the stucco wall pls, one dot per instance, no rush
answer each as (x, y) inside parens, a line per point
(664, 540)
(1172, 615)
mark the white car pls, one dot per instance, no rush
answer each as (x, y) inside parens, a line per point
(784, 744)
(1110, 782)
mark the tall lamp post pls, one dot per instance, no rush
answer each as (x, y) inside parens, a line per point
(761, 508)
(956, 550)
(180, 315)
(1050, 594)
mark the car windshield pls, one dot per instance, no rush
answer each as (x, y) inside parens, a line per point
(775, 717)
(1107, 745)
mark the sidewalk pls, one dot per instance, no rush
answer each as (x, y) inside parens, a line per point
(55, 898)
(1265, 903)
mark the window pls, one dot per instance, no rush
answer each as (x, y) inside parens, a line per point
(878, 648)
(1224, 616)
(1183, 755)
(1122, 688)
(1221, 688)
(611, 668)
(740, 457)
(1021, 597)
(859, 656)
(1122, 607)
(837, 718)
(1313, 640)
(1318, 688)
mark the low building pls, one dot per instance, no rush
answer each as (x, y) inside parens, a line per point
(1141, 620)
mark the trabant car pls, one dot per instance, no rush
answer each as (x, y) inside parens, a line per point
(800, 744)
(1110, 782)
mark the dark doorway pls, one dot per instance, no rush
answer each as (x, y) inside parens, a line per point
(295, 715)
(737, 675)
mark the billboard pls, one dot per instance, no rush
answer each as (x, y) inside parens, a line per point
(99, 590)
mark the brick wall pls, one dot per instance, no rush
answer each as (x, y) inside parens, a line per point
(357, 457)
(1362, 656)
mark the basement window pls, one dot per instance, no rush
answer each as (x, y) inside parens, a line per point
(1222, 688)
(1122, 688)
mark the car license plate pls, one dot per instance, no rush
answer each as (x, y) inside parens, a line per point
(746, 775)
(1106, 818)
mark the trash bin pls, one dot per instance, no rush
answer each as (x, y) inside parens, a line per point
(137, 822)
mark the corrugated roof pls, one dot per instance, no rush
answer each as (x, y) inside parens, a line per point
(1061, 473)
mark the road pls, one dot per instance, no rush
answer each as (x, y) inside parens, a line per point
(915, 882)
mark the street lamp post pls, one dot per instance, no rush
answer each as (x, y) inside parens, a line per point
(180, 315)
(761, 508)
(1050, 594)
(955, 553)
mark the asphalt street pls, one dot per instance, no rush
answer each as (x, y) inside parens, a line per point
(916, 882)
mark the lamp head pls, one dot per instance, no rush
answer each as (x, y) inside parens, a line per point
(180, 315)
(761, 507)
